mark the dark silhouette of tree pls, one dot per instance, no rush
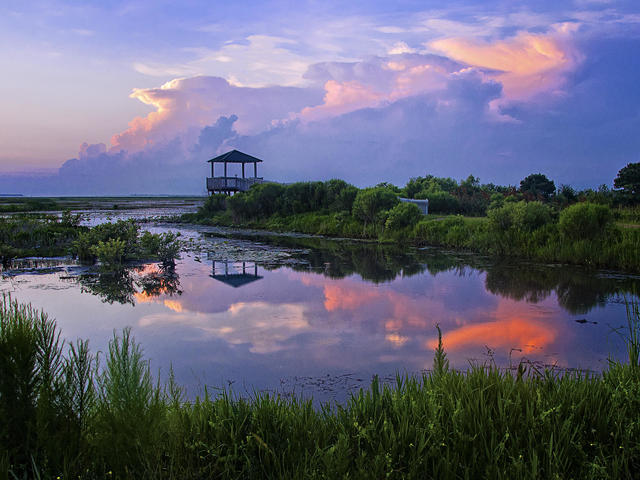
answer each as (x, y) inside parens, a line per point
(628, 179)
(538, 185)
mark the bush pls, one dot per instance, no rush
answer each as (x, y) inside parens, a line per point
(169, 248)
(523, 216)
(403, 215)
(530, 216)
(442, 202)
(585, 221)
(215, 203)
(110, 253)
(371, 202)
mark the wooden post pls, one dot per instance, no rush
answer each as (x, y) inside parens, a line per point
(255, 169)
(225, 174)
(243, 170)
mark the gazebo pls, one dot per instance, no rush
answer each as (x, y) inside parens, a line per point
(227, 184)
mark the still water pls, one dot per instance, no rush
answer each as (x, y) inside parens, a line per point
(313, 317)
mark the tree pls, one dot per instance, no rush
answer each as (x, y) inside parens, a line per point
(628, 179)
(538, 184)
(369, 202)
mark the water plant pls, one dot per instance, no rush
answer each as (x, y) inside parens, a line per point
(69, 416)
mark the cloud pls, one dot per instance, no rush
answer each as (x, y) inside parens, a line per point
(526, 65)
(187, 103)
(257, 61)
(570, 99)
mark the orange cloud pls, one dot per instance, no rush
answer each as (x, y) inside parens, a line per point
(525, 65)
(174, 305)
(164, 100)
(342, 97)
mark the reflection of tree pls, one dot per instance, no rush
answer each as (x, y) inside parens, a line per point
(163, 282)
(121, 285)
(578, 291)
(114, 286)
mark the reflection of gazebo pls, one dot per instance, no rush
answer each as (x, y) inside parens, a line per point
(236, 274)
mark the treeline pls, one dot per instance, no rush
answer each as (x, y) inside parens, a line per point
(535, 221)
(65, 415)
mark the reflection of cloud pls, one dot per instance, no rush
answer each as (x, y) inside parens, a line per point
(402, 316)
(264, 326)
(528, 335)
(514, 327)
(396, 339)
(143, 297)
(174, 305)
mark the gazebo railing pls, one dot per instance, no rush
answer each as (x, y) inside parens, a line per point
(234, 184)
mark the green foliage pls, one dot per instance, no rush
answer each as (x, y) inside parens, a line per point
(442, 202)
(215, 203)
(370, 203)
(26, 235)
(45, 399)
(628, 181)
(523, 216)
(109, 253)
(584, 221)
(481, 423)
(537, 186)
(129, 410)
(403, 215)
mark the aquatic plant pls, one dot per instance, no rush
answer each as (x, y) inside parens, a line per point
(75, 418)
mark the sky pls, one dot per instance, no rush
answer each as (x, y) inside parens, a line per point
(132, 97)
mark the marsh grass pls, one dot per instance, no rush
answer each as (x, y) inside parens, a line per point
(70, 416)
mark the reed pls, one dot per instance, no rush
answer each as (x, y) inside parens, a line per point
(66, 415)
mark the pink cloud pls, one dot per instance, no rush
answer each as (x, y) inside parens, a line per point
(379, 81)
(342, 98)
(185, 105)
(526, 65)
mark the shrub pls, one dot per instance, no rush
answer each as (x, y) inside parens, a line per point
(529, 216)
(169, 248)
(110, 253)
(370, 202)
(442, 202)
(585, 221)
(215, 203)
(403, 215)
(523, 216)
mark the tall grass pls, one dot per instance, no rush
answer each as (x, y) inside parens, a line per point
(69, 416)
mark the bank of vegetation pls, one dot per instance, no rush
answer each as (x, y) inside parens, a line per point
(535, 221)
(111, 244)
(67, 413)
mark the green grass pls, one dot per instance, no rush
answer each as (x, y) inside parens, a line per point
(64, 414)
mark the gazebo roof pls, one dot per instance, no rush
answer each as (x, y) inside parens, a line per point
(234, 156)
(236, 279)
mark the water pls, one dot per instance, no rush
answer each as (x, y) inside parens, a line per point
(303, 316)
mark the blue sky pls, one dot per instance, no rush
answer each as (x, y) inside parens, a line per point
(365, 91)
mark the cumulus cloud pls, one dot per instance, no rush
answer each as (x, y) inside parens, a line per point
(185, 104)
(526, 65)
(386, 118)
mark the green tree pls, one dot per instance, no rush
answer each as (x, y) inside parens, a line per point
(369, 202)
(628, 179)
(583, 221)
(403, 215)
(538, 185)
